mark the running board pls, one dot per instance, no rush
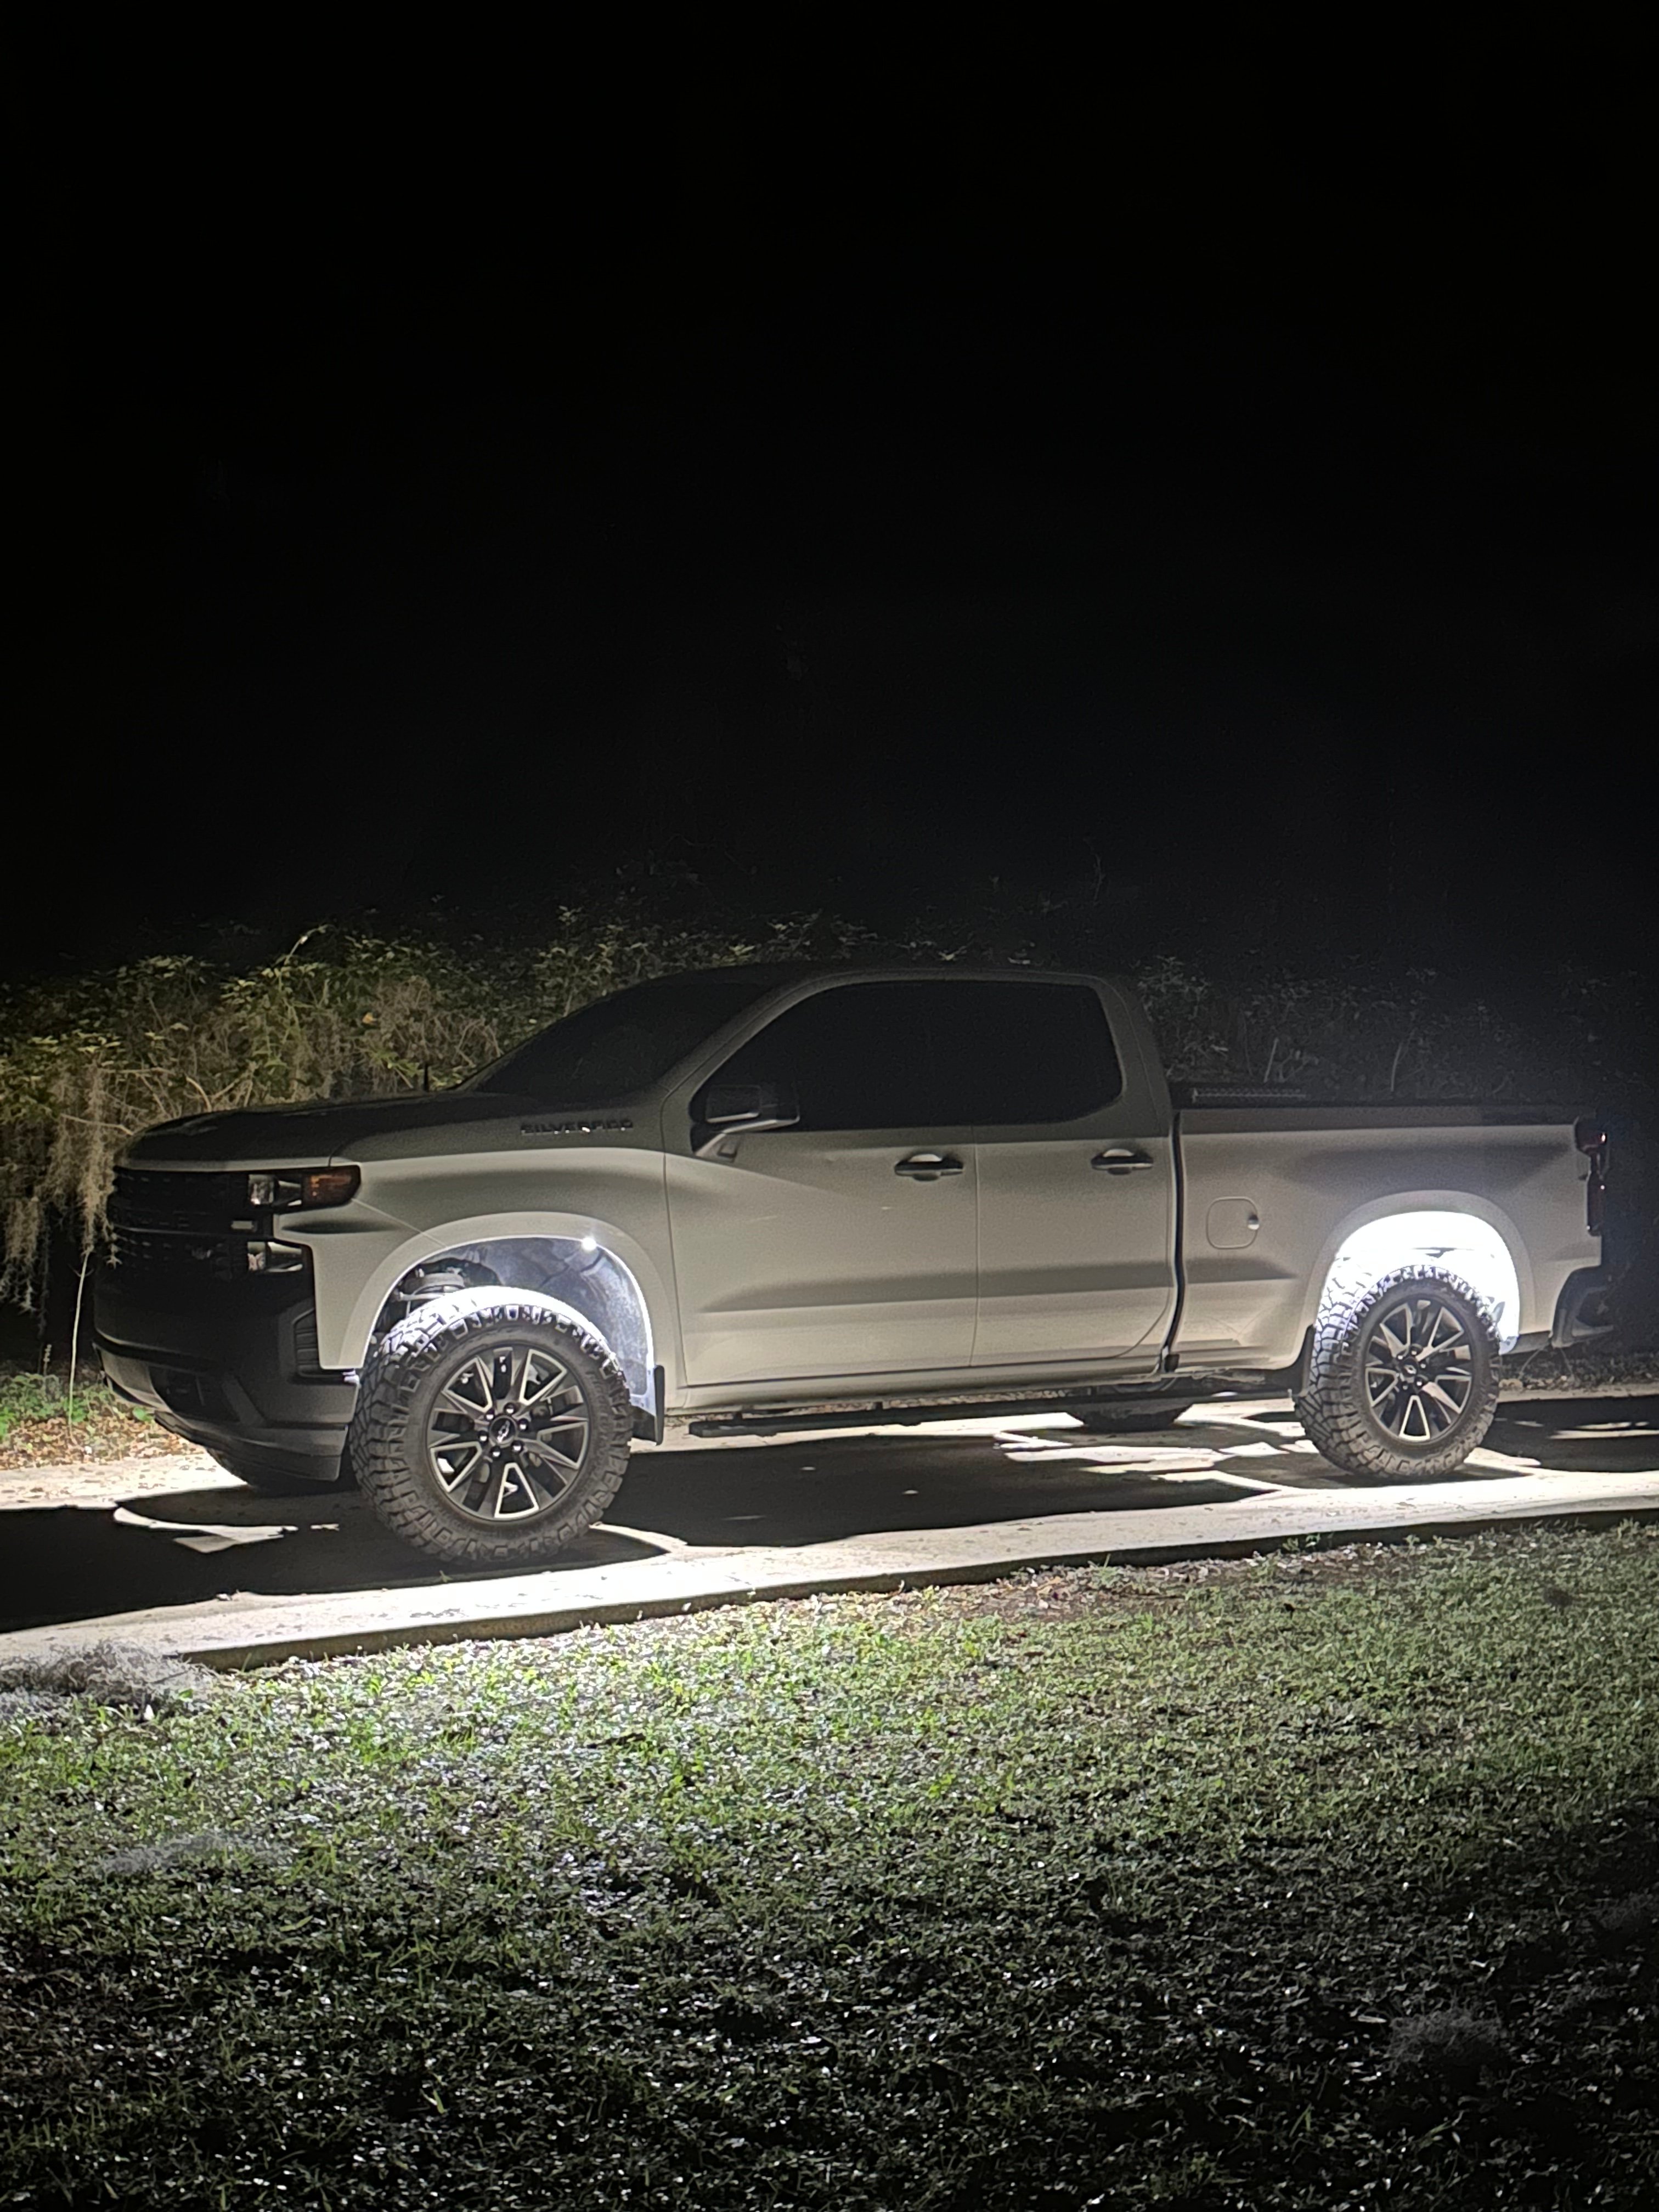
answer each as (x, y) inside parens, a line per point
(911, 1414)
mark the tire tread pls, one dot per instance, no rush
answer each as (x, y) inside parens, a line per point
(1329, 1407)
(388, 1457)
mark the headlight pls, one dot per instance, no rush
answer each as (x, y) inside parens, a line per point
(271, 1193)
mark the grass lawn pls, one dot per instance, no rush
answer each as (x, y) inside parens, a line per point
(1324, 1881)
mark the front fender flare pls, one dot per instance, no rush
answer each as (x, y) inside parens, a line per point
(347, 1311)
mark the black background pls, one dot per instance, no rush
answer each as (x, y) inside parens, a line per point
(1219, 486)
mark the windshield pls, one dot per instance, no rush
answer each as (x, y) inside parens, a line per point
(626, 1043)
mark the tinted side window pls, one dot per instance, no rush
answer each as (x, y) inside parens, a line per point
(936, 1055)
(1010, 1053)
(860, 1057)
(629, 1041)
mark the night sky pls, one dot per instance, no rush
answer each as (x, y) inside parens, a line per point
(1243, 521)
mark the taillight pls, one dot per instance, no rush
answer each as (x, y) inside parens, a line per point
(1591, 1139)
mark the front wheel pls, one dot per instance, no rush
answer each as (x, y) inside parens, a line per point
(1402, 1380)
(491, 1428)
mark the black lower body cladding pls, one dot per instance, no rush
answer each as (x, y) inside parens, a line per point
(234, 1369)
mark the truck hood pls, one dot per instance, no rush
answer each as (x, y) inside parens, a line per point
(312, 1134)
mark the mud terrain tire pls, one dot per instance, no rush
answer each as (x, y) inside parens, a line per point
(492, 1428)
(1402, 1379)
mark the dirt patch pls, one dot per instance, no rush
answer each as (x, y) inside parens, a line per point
(43, 1424)
(1070, 1593)
(1585, 1371)
(215, 1849)
(111, 1673)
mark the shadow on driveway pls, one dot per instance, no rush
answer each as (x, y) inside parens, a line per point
(131, 1551)
(1581, 1435)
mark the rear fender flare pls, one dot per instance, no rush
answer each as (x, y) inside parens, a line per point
(1470, 1236)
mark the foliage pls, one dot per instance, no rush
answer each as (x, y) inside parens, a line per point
(82, 1070)
(1374, 1032)
(1290, 1883)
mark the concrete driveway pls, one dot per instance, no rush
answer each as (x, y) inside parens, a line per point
(182, 1554)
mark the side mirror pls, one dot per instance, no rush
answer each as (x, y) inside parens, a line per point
(735, 1109)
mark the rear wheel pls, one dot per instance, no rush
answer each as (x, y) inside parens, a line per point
(1402, 1380)
(492, 1428)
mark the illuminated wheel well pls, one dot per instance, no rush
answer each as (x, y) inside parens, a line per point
(578, 1272)
(1462, 1243)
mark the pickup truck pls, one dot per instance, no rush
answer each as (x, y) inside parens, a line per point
(753, 1198)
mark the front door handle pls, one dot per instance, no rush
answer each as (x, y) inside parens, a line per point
(1120, 1160)
(927, 1167)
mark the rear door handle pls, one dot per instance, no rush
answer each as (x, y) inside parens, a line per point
(927, 1167)
(1120, 1160)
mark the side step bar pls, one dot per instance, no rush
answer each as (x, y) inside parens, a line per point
(764, 1422)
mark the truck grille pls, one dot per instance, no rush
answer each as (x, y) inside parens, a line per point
(144, 1199)
(172, 1232)
(176, 1257)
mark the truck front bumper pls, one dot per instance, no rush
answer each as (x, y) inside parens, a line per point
(238, 1376)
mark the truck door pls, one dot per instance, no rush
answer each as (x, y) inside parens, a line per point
(846, 1245)
(1076, 1178)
